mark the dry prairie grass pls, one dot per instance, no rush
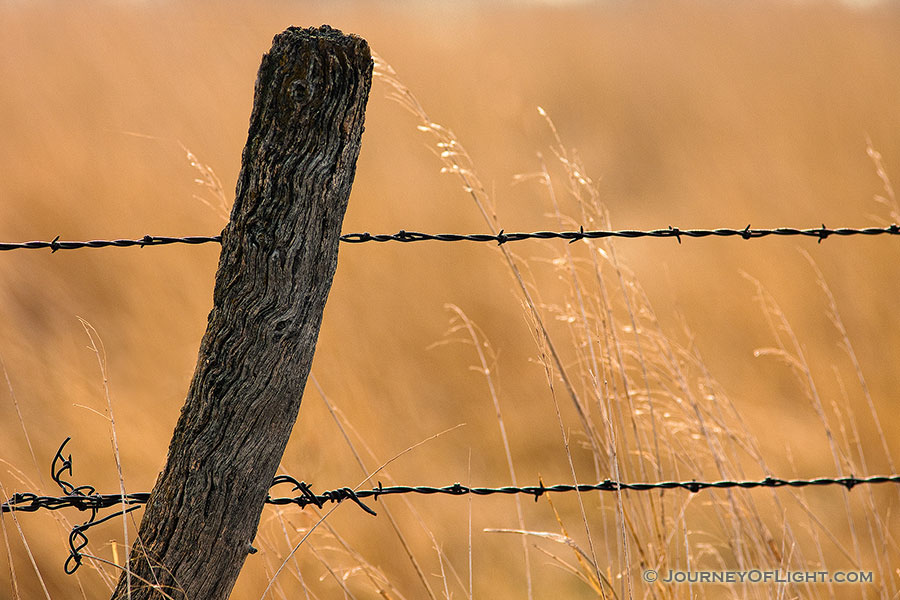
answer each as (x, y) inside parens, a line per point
(690, 115)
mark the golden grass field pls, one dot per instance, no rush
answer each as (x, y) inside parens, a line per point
(691, 114)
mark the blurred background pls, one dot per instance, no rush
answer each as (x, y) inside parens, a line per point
(690, 114)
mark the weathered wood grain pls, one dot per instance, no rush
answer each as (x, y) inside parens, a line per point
(279, 253)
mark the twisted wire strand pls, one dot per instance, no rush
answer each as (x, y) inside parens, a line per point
(500, 238)
(29, 502)
(307, 497)
(85, 497)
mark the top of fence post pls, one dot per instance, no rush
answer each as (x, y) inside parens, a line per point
(279, 253)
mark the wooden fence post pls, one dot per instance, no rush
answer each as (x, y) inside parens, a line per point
(279, 253)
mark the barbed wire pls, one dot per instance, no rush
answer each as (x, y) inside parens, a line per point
(148, 240)
(500, 238)
(85, 498)
(82, 497)
(307, 497)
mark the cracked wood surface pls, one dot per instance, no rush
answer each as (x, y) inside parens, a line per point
(279, 254)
